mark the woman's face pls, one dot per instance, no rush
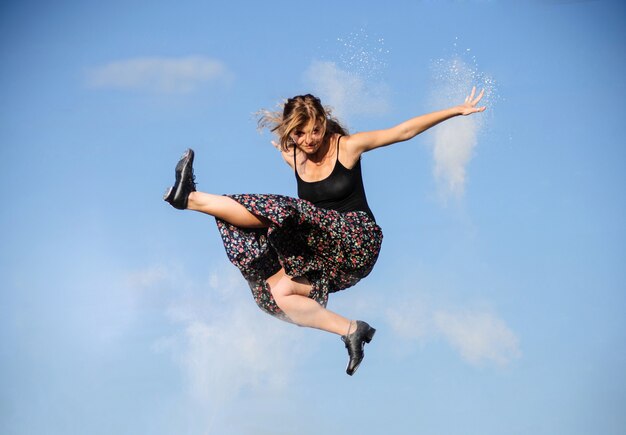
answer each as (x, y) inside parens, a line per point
(308, 138)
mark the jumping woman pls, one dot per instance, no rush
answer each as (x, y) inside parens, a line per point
(294, 252)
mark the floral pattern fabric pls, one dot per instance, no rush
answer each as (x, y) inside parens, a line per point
(332, 250)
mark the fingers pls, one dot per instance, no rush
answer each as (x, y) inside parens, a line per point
(469, 98)
(471, 102)
(482, 92)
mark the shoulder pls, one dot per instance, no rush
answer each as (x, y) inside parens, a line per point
(349, 153)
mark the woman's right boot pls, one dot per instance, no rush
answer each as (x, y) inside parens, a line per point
(355, 343)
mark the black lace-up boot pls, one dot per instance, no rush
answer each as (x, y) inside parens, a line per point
(355, 343)
(178, 194)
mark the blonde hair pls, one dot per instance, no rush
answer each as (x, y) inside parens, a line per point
(296, 113)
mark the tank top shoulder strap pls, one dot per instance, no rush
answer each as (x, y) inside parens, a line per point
(338, 139)
(295, 167)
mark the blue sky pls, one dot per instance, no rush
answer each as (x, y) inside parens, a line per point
(500, 290)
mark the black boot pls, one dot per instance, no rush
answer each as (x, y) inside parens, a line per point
(355, 343)
(178, 194)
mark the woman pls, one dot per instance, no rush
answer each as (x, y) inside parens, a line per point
(294, 252)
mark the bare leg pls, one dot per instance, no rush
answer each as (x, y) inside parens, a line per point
(291, 295)
(225, 208)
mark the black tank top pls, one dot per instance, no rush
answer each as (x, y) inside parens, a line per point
(342, 190)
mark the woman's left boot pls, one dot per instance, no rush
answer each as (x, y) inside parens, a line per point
(178, 194)
(355, 343)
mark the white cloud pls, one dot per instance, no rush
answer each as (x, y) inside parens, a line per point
(478, 336)
(159, 74)
(222, 342)
(146, 278)
(410, 320)
(348, 93)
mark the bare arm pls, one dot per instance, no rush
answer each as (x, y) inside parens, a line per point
(287, 155)
(369, 140)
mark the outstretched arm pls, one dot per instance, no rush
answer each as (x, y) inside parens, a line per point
(369, 140)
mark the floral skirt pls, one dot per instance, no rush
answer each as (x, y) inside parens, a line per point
(332, 250)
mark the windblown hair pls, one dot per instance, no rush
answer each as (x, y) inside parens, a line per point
(296, 113)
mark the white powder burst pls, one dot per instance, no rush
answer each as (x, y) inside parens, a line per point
(455, 140)
(350, 76)
(363, 54)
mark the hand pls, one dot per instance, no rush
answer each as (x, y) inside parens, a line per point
(469, 106)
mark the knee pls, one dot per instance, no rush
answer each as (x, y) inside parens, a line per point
(282, 289)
